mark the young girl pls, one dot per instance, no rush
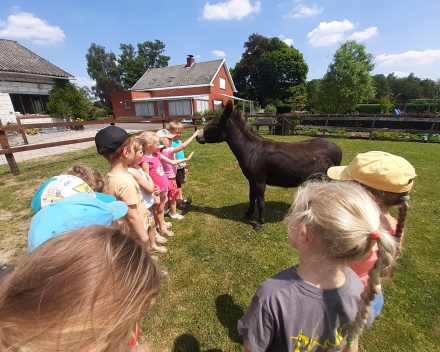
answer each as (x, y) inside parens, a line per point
(151, 164)
(85, 290)
(389, 178)
(165, 138)
(321, 303)
(147, 189)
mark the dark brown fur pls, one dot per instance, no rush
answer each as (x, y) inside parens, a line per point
(264, 161)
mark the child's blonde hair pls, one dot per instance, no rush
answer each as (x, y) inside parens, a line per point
(174, 125)
(148, 138)
(342, 217)
(84, 289)
(137, 144)
(93, 177)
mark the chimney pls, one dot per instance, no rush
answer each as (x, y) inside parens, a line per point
(189, 60)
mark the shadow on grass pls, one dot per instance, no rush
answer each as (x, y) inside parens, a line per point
(188, 343)
(228, 314)
(275, 212)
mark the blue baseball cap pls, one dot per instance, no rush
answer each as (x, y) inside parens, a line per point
(61, 187)
(71, 213)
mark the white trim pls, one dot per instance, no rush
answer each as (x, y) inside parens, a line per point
(178, 87)
(34, 74)
(174, 97)
(232, 97)
(227, 72)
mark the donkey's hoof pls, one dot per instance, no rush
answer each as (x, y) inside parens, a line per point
(258, 227)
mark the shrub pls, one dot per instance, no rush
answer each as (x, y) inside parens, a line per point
(270, 109)
(391, 135)
(386, 105)
(368, 108)
(99, 113)
(418, 107)
(313, 132)
(341, 132)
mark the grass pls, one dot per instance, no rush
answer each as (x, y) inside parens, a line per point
(216, 261)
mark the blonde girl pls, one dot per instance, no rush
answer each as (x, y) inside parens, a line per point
(151, 163)
(85, 290)
(147, 189)
(321, 304)
(388, 178)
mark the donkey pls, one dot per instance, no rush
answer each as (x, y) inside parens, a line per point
(264, 161)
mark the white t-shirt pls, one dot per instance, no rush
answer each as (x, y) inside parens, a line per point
(148, 197)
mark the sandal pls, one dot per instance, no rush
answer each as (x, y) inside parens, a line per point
(167, 225)
(157, 249)
(177, 217)
(186, 201)
(181, 206)
(166, 233)
(155, 258)
(160, 239)
(166, 212)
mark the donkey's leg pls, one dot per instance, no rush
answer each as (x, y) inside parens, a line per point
(252, 198)
(261, 188)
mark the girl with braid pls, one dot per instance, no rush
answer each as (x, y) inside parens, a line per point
(321, 304)
(388, 178)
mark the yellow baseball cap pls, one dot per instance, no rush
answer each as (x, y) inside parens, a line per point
(379, 170)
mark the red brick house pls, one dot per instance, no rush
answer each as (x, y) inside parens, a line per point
(178, 90)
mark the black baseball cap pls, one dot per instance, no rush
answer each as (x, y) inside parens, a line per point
(110, 138)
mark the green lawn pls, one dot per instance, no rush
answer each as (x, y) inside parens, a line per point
(216, 261)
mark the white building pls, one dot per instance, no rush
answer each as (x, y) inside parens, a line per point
(25, 81)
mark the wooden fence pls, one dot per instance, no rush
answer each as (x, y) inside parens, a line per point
(430, 126)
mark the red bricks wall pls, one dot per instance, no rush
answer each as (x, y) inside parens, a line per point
(216, 89)
(118, 101)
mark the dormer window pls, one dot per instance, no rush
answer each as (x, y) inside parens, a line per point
(171, 78)
(153, 81)
(222, 83)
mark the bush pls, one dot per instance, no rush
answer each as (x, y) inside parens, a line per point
(418, 107)
(368, 108)
(392, 135)
(99, 113)
(313, 132)
(340, 132)
(270, 109)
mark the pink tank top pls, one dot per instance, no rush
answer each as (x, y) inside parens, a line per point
(362, 267)
(156, 171)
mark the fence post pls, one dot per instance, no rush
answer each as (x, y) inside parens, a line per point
(9, 157)
(164, 124)
(111, 118)
(372, 126)
(431, 131)
(195, 124)
(23, 133)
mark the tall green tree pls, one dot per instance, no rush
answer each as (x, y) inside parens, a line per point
(247, 74)
(406, 86)
(382, 86)
(347, 81)
(134, 63)
(68, 101)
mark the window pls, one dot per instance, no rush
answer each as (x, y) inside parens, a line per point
(202, 105)
(30, 103)
(218, 104)
(144, 108)
(179, 107)
(127, 105)
(222, 83)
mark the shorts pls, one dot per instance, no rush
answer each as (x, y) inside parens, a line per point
(173, 193)
(164, 194)
(180, 177)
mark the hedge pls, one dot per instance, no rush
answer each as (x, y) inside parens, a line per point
(368, 108)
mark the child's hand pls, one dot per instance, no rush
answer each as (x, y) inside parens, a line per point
(156, 190)
(195, 134)
(190, 156)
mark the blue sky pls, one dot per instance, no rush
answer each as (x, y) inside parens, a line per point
(404, 35)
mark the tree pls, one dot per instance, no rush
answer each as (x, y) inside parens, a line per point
(102, 66)
(68, 101)
(313, 88)
(247, 74)
(347, 81)
(382, 86)
(406, 86)
(134, 63)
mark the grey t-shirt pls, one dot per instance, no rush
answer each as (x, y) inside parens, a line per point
(288, 314)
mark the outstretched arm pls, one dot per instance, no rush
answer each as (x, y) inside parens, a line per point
(186, 143)
(176, 162)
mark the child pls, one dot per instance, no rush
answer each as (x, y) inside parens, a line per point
(89, 175)
(83, 290)
(319, 303)
(176, 128)
(114, 144)
(170, 170)
(147, 189)
(389, 178)
(151, 164)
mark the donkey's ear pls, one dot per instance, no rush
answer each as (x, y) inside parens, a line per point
(228, 110)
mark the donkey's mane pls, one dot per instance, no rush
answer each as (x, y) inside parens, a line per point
(245, 127)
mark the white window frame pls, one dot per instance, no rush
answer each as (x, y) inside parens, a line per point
(214, 102)
(222, 83)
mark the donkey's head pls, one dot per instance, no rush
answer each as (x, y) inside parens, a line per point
(215, 132)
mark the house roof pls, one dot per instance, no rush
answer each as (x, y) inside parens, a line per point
(16, 58)
(199, 74)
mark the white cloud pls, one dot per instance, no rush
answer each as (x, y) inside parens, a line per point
(304, 11)
(231, 9)
(329, 33)
(25, 25)
(401, 74)
(368, 33)
(288, 41)
(219, 53)
(197, 56)
(83, 81)
(410, 58)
